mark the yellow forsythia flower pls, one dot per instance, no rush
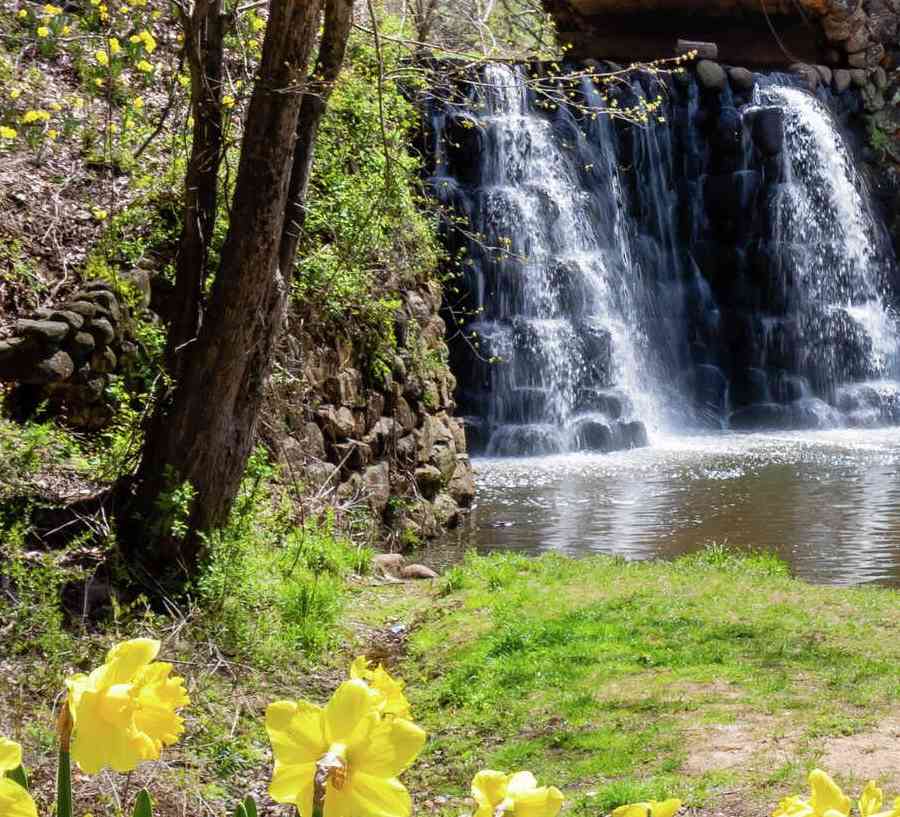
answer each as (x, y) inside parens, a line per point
(514, 794)
(138, 103)
(23, 13)
(7, 133)
(15, 93)
(143, 65)
(99, 82)
(257, 23)
(99, 213)
(124, 712)
(387, 692)
(77, 102)
(149, 43)
(14, 800)
(43, 31)
(52, 134)
(65, 30)
(653, 808)
(114, 47)
(34, 116)
(52, 10)
(55, 106)
(366, 753)
(101, 57)
(228, 101)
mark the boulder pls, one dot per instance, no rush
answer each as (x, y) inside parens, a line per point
(81, 344)
(824, 74)
(711, 75)
(417, 571)
(462, 484)
(54, 369)
(858, 77)
(48, 331)
(102, 330)
(104, 360)
(377, 482)
(446, 511)
(84, 308)
(807, 73)
(767, 130)
(841, 80)
(72, 319)
(336, 423)
(741, 79)
(314, 441)
(443, 457)
(429, 481)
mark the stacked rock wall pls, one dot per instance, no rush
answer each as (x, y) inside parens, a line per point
(64, 355)
(394, 445)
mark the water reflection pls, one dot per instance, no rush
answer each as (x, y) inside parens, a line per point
(827, 502)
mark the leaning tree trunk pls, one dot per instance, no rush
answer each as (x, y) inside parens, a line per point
(209, 425)
(205, 31)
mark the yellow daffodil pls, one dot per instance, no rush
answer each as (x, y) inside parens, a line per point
(143, 65)
(228, 101)
(23, 13)
(52, 134)
(149, 43)
(55, 106)
(184, 80)
(7, 133)
(516, 794)
(101, 57)
(29, 117)
(156, 14)
(124, 711)
(651, 808)
(77, 102)
(99, 82)
(52, 10)
(14, 800)
(870, 802)
(257, 23)
(135, 39)
(43, 31)
(15, 93)
(138, 103)
(826, 800)
(114, 47)
(364, 752)
(65, 30)
(387, 691)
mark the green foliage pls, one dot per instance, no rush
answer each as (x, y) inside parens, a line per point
(719, 556)
(270, 586)
(365, 220)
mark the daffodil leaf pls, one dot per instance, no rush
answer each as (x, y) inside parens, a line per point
(240, 811)
(143, 805)
(18, 775)
(249, 805)
(64, 786)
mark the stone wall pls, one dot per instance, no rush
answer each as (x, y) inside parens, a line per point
(394, 446)
(64, 355)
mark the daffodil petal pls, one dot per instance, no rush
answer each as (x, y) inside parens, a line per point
(15, 801)
(296, 732)
(391, 747)
(793, 807)
(827, 795)
(379, 797)
(545, 801)
(293, 784)
(347, 710)
(489, 789)
(10, 755)
(125, 660)
(632, 810)
(519, 783)
(870, 800)
(339, 802)
(667, 808)
(359, 668)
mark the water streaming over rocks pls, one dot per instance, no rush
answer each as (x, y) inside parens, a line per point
(720, 267)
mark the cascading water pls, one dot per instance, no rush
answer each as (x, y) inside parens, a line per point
(720, 267)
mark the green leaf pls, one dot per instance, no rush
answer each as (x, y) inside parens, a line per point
(19, 776)
(240, 811)
(64, 786)
(249, 805)
(143, 805)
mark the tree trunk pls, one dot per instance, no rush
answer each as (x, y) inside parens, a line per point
(204, 32)
(208, 428)
(338, 21)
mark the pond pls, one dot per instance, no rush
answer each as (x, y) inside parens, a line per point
(827, 502)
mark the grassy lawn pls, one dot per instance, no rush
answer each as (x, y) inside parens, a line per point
(714, 678)
(717, 679)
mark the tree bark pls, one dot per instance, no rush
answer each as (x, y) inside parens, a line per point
(338, 21)
(204, 33)
(207, 430)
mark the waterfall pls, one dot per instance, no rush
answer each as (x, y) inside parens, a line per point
(720, 267)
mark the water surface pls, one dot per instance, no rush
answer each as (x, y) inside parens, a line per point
(827, 502)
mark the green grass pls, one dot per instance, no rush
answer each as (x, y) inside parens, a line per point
(616, 680)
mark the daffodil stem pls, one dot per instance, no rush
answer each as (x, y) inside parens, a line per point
(64, 806)
(330, 767)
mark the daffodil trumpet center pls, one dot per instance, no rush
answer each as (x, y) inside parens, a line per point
(506, 806)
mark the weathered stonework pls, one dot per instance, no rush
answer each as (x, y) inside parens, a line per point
(394, 445)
